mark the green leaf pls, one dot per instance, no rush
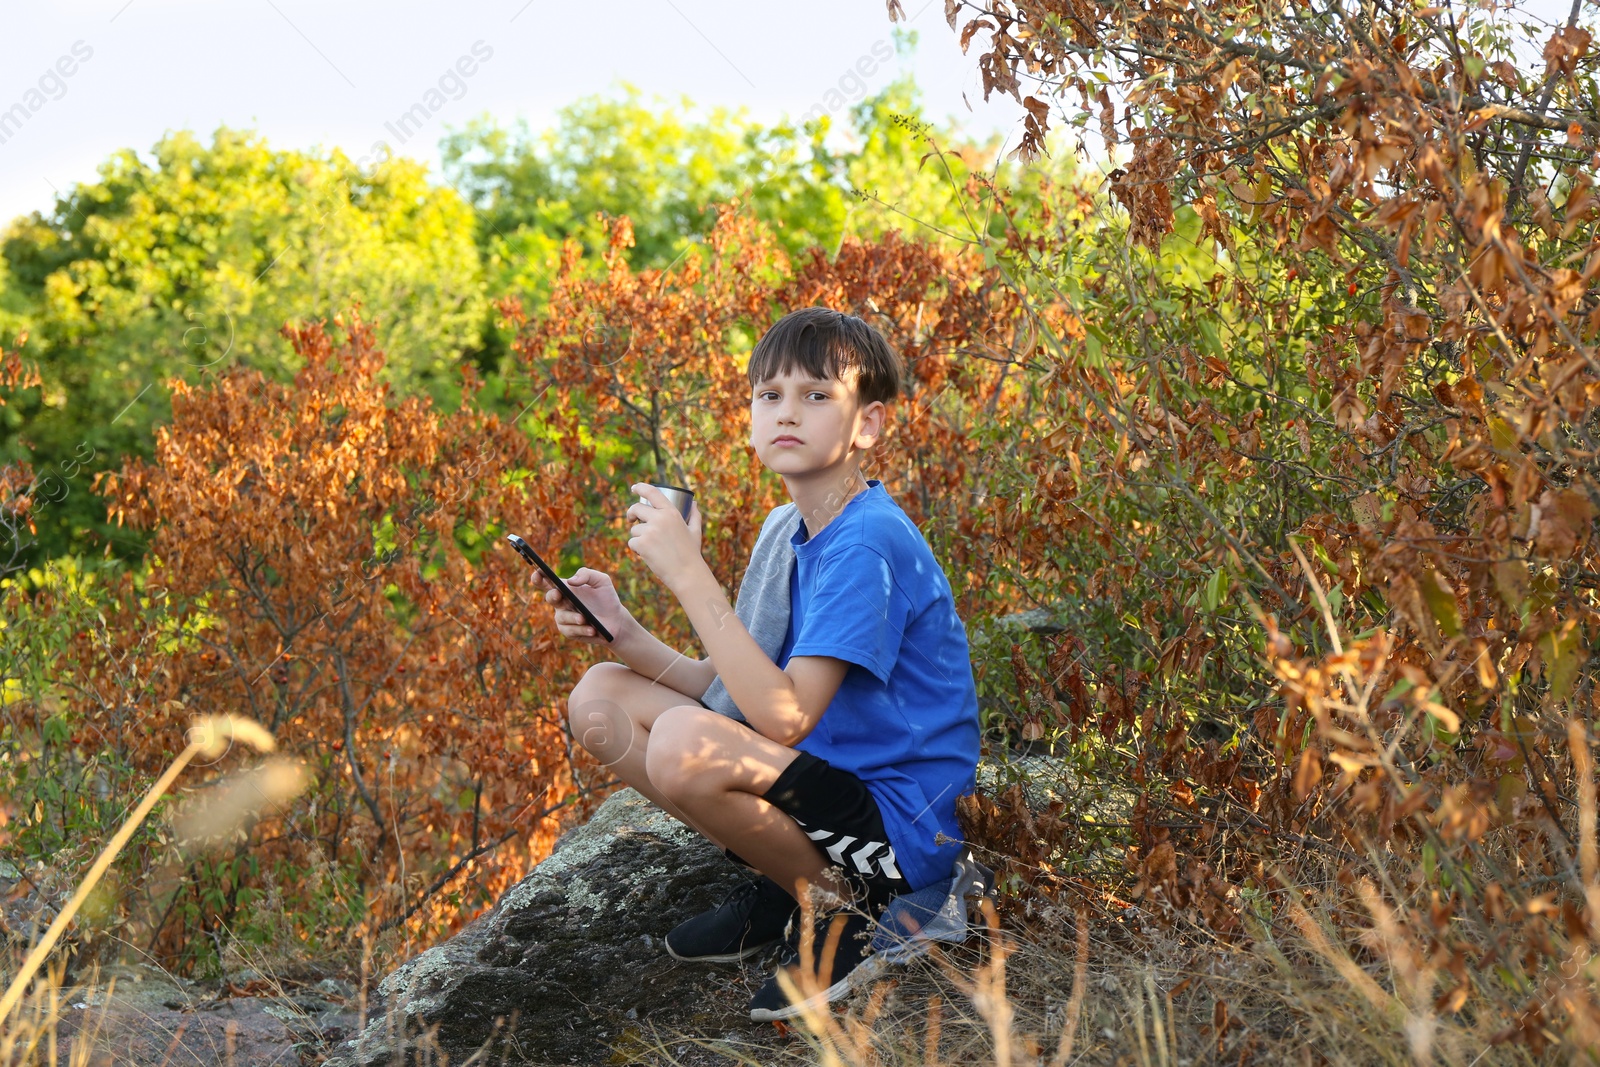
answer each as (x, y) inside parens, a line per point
(1502, 435)
(1094, 343)
(1441, 600)
(1216, 588)
(1399, 689)
(1563, 654)
(56, 730)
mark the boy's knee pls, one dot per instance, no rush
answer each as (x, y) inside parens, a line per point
(598, 721)
(600, 682)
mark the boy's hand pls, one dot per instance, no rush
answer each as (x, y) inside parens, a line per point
(598, 595)
(660, 537)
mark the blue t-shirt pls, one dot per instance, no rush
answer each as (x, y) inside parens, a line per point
(867, 590)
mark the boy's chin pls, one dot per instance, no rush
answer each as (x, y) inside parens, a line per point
(791, 469)
(783, 460)
(805, 471)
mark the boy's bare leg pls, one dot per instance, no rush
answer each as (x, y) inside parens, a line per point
(611, 711)
(715, 770)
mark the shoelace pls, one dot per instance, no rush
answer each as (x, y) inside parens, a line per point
(743, 898)
(789, 954)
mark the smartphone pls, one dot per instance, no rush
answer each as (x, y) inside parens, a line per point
(572, 598)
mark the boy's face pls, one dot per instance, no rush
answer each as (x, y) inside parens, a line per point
(801, 425)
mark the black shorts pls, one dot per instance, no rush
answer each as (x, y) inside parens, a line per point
(836, 811)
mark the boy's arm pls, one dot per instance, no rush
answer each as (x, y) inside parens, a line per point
(639, 649)
(647, 654)
(784, 705)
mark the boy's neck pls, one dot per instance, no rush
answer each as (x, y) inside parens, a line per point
(822, 496)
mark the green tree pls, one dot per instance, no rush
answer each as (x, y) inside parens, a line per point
(906, 173)
(193, 261)
(663, 165)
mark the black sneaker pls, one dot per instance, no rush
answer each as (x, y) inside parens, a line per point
(833, 968)
(751, 919)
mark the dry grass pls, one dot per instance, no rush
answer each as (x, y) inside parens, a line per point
(1077, 988)
(100, 1018)
(1087, 994)
(1081, 994)
(1170, 1007)
(33, 1016)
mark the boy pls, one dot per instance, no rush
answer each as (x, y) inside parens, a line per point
(858, 734)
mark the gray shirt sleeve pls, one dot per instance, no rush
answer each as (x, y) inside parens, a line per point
(763, 600)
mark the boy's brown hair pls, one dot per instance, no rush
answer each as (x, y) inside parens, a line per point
(825, 343)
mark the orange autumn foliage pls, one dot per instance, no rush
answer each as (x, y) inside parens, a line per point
(1331, 464)
(323, 551)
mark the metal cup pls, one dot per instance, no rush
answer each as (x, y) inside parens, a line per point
(682, 499)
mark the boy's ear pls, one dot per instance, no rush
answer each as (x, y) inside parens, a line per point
(874, 420)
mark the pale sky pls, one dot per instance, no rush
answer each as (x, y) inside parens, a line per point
(99, 75)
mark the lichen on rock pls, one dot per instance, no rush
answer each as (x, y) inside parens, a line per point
(570, 956)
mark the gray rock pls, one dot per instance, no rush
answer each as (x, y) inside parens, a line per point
(570, 953)
(161, 1021)
(336, 988)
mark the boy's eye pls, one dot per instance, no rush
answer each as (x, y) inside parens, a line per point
(768, 394)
